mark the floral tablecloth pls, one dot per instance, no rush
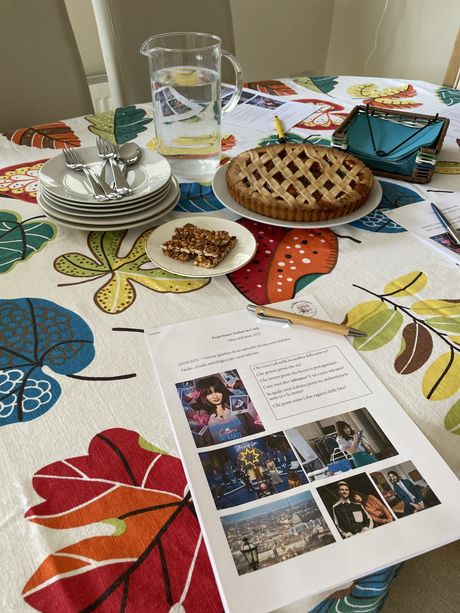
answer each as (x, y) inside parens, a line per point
(96, 513)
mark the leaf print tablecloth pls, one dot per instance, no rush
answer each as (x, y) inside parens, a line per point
(96, 512)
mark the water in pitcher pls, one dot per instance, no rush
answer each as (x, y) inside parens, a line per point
(187, 120)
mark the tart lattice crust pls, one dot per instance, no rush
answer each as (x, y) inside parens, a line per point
(299, 182)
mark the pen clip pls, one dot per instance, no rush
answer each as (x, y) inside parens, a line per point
(268, 318)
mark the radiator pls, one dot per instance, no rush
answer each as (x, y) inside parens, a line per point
(100, 92)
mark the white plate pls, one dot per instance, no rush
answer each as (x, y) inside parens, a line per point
(107, 205)
(146, 177)
(241, 253)
(147, 211)
(98, 209)
(88, 224)
(219, 187)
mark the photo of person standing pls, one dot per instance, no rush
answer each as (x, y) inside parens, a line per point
(349, 517)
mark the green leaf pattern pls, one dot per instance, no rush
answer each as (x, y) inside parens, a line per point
(448, 95)
(120, 125)
(118, 292)
(381, 328)
(452, 419)
(424, 321)
(20, 240)
(323, 85)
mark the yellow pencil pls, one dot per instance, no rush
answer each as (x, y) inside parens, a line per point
(279, 129)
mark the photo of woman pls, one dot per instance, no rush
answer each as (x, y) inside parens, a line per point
(354, 444)
(209, 404)
(375, 508)
(339, 443)
(215, 401)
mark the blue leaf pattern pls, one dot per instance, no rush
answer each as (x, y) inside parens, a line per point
(197, 198)
(393, 197)
(35, 333)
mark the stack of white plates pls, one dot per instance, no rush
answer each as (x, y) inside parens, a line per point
(66, 198)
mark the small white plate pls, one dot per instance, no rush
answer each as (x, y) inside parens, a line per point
(241, 253)
(150, 174)
(219, 187)
(85, 223)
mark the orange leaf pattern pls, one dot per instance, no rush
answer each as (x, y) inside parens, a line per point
(387, 98)
(45, 136)
(273, 88)
(285, 261)
(326, 117)
(155, 559)
(228, 142)
(21, 181)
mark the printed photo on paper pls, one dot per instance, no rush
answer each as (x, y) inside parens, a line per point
(218, 409)
(252, 470)
(274, 532)
(339, 444)
(355, 505)
(404, 489)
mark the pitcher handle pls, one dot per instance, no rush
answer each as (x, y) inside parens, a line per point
(239, 82)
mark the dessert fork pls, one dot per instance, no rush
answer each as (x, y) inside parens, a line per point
(100, 189)
(108, 151)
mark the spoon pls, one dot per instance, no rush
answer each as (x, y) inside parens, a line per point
(128, 154)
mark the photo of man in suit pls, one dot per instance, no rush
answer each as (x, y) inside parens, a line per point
(349, 517)
(407, 492)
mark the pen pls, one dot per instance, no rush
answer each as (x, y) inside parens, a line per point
(279, 129)
(448, 226)
(303, 320)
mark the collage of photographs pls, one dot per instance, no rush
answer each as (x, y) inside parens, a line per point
(325, 453)
(173, 106)
(249, 97)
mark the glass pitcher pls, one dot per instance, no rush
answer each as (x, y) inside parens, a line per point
(185, 76)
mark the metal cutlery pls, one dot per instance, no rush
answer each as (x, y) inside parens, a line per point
(128, 154)
(100, 189)
(109, 151)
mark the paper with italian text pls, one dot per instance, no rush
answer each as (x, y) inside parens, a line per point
(305, 472)
(257, 111)
(420, 219)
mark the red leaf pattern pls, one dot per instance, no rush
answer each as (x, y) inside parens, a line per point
(153, 562)
(45, 136)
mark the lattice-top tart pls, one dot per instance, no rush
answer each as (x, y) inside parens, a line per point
(299, 182)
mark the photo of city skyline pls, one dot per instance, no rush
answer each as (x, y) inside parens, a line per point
(274, 532)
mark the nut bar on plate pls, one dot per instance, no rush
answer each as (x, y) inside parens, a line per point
(206, 247)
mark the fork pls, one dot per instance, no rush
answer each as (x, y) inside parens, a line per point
(108, 151)
(100, 189)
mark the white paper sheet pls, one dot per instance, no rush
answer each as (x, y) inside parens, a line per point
(272, 482)
(420, 219)
(257, 111)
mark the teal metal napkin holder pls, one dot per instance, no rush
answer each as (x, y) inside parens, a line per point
(393, 144)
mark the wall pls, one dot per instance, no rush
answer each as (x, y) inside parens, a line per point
(84, 26)
(415, 38)
(275, 38)
(288, 38)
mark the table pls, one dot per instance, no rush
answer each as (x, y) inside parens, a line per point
(86, 443)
